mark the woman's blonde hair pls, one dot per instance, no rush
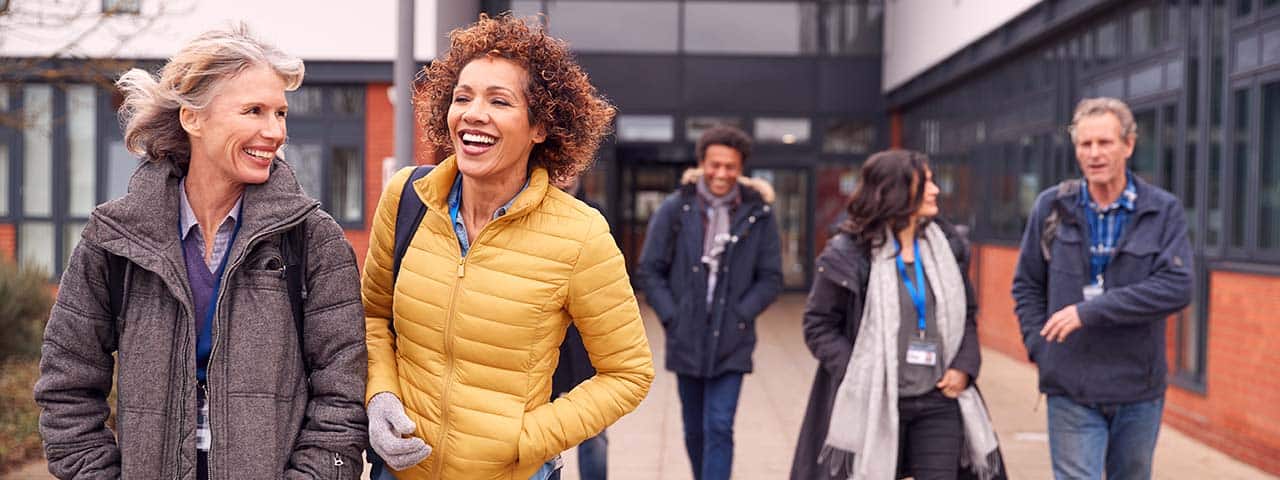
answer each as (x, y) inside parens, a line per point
(149, 113)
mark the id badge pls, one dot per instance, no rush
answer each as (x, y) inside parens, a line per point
(1092, 291)
(923, 353)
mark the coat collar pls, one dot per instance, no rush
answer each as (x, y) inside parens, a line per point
(1145, 201)
(752, 188)
(142, 226)
(434, 189)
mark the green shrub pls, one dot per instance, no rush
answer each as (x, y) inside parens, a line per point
(25, 301)
(19, 415)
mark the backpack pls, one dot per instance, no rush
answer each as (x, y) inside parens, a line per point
(409, 215)
(293, 251)
(1049, 231)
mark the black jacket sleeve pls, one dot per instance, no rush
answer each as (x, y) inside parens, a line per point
(1030, 279)
(655, 260)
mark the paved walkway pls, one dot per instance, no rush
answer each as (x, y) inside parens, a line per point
(649, 445)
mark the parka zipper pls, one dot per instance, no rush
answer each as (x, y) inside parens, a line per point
(337, 466)
(222, 292)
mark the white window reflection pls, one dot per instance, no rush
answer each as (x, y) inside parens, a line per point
(35, 245)
(782, 130)
(646, 128)
(82, 117)
(306, 160)
(695, 126)
(37, 136)
(640, 26)
(782, 28)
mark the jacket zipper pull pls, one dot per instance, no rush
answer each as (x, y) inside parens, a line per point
(462, 270)
(337, 461)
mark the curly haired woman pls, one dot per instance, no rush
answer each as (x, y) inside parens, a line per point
(500, 265)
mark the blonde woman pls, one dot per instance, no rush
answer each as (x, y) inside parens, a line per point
(221, 375)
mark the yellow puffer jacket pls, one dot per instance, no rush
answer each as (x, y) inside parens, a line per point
(477, 337)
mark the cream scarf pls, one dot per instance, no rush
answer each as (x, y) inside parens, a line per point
(862, 441)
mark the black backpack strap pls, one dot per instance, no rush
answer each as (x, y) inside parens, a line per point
(408, 217)
(293, 249)
(116, 266)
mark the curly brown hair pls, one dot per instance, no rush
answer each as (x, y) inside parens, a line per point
(561, 98)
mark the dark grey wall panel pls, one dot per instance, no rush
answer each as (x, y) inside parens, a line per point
(757, 85)
(636, 83)
(850, 86)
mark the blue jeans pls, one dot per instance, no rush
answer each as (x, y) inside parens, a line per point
(593, 458)
(708, 406)
(1086, 439)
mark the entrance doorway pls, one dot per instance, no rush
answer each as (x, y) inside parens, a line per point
(646, 176)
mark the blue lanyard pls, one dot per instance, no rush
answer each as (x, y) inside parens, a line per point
(204, 338)
(914, 289)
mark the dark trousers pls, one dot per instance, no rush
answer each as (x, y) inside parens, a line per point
(930, 433)
(708, 406)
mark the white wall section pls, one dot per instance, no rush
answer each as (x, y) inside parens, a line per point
(311, 29)
(919, 34)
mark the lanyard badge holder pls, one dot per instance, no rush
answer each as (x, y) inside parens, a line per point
(919, 351)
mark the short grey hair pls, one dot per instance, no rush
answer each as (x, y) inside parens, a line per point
(149, 113)
(1091, 107)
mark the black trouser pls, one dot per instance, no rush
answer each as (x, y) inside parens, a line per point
(930, 433)
(202, 465)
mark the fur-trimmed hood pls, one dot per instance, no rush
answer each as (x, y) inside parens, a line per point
(764, 188)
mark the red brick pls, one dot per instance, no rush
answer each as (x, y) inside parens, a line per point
(8, 243)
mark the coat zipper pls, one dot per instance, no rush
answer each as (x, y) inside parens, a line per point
(337, 465)
(222, 292)
(448, 332)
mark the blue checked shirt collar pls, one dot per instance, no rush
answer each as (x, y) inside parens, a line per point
(455, 205)
(1106, 226)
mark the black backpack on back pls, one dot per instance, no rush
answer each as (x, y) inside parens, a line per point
(409, 215)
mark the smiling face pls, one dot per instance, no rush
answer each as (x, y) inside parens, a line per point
(236, 136)
(721, 167)
(489, 120)
(1102, 149)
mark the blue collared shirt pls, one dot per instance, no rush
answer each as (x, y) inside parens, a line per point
(1106, 226)
(221, 239)
(455, 205)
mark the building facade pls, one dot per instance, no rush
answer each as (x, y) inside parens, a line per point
(1203, 79)
(61, 146)
(801, 77)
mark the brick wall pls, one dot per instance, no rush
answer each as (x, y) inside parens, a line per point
(997, 325)
(380, 144)
(8, 241)
(1239, 414)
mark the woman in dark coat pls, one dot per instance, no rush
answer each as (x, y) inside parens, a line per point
(892, 197)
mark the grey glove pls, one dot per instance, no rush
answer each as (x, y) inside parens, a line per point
(388, 426)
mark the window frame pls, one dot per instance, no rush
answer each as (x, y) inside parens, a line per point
(330, 129)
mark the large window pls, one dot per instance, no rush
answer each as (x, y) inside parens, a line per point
(1268, 219)
(769, 28)
(616, 26)
(326, 147)
(852, 27)
(58, 165)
